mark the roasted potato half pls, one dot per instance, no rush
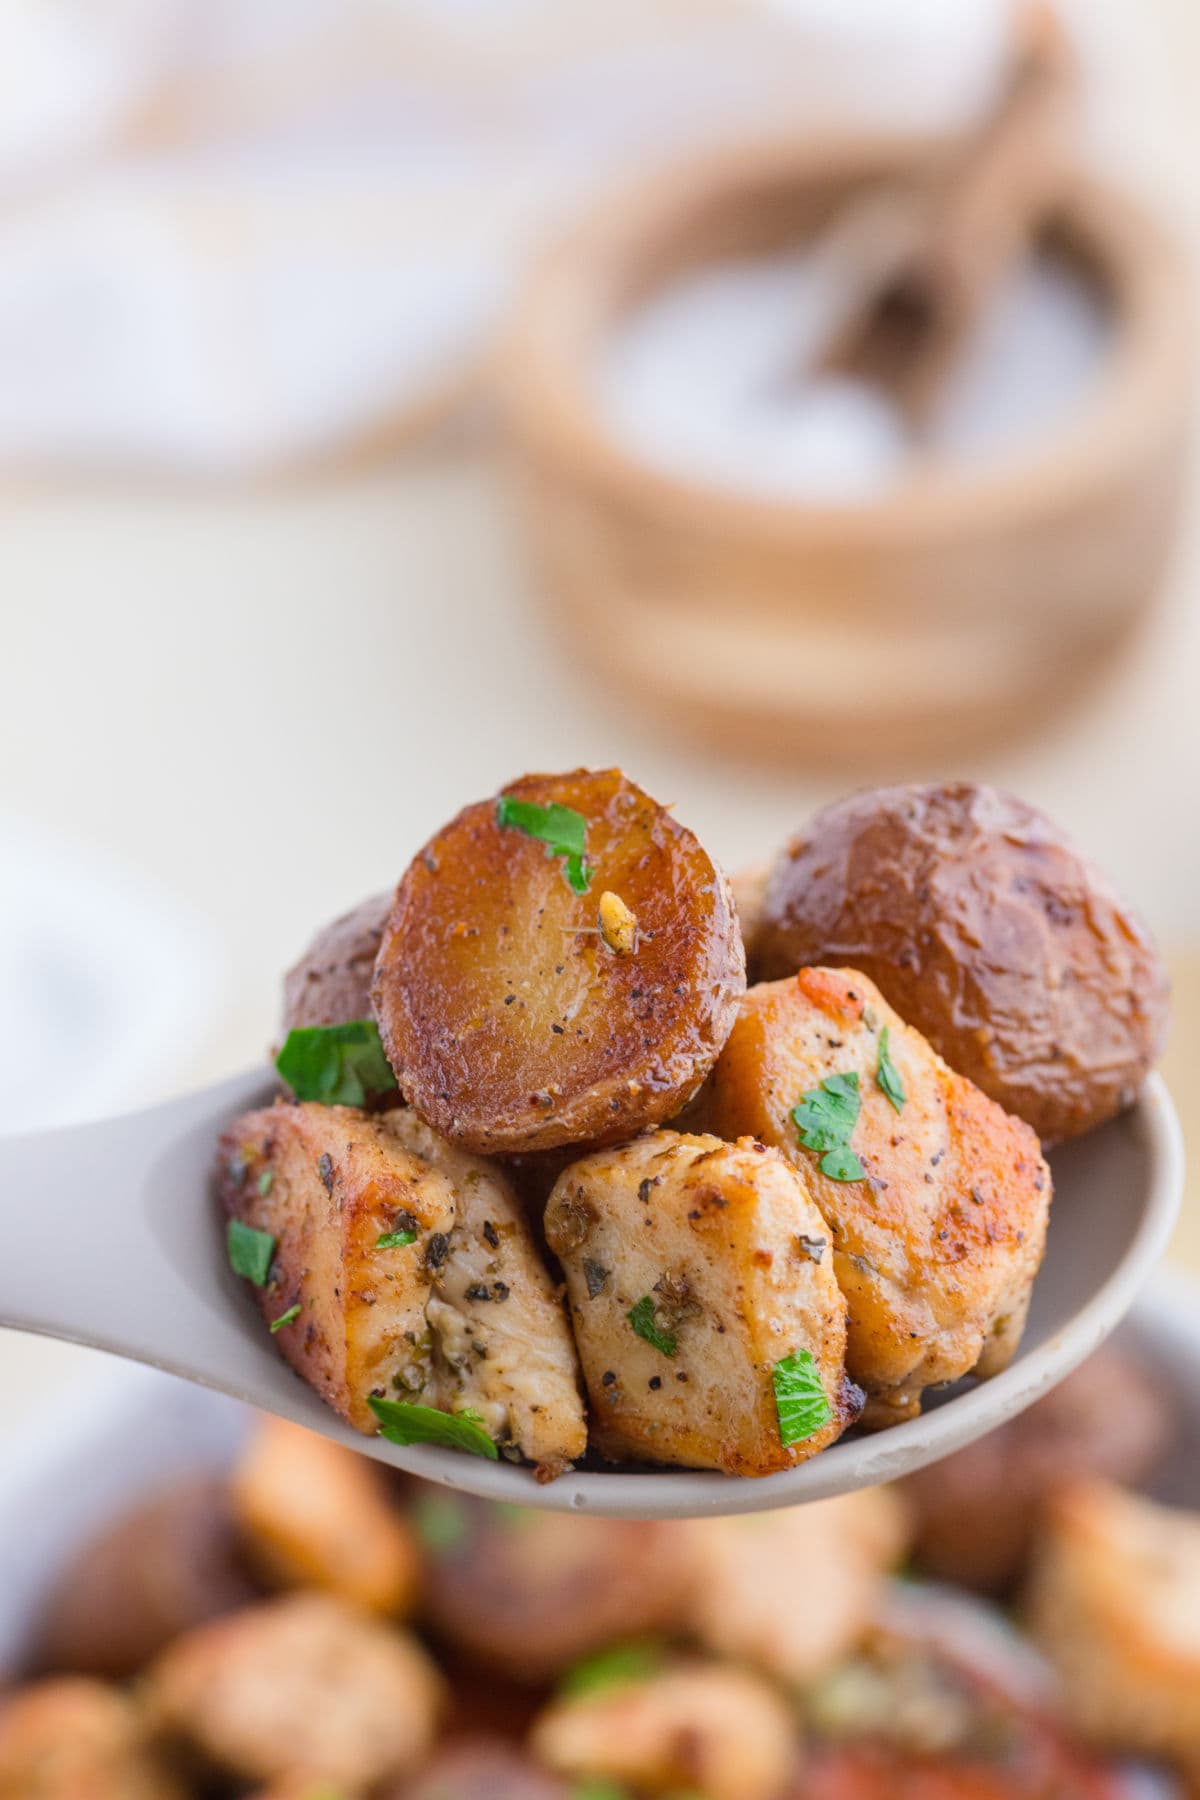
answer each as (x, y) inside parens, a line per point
(303, 1684)
(462, 1317)
(171, 1562)
(699, 1290)
(530, 1594)
(312, 1514)
(76, 1739)
(988, 931)
(937, 1224)
(331, 983)
(976, 1513)
(520, 1013)
(697, 1728)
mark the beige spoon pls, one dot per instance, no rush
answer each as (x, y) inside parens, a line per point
(109, 1236)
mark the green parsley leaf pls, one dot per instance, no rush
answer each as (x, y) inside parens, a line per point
(825, 1117)
(560, 828)
(641, 1317)
(265, 1182)
(440, 1521)
(287, 1318)
(801, 1403)
(338, 1065)
(620, 1663)
(395, 1240)
(403, 1422)
(887, 1074)
(250, 1252)
(599, 1787)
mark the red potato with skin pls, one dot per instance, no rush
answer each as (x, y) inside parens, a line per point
(331, 983)
(511, 1022)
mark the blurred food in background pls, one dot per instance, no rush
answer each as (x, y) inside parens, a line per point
(306, 1624)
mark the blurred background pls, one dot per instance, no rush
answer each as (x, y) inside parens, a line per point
(396, 395)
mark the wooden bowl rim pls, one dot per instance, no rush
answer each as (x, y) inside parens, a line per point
(1140, 398)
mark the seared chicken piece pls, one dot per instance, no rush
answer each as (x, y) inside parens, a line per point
(302, 1684)
(313, 1514)
(331, 984)
(701, 1290)
(530, 1594)
(75, 1739)
(501, 1342)
(699, 1728)
(789, 1592)
(937, 1212)
(450, 1319)
(1114, 1600)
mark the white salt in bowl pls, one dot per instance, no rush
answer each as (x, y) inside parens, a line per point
(773, 567)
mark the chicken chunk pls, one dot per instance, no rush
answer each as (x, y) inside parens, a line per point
(977, 1512)
(313, 1514)
(76, 1739)
(301, 1684)
(501, 1342)
(1114, 1600)
(789, 1592)
(700, 1294)
(709, 1729)
(331, 983)
(327, 1182)
(936, 1204)
(439, 1315)
(530, 1594)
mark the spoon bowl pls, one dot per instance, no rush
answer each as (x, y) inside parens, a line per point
(109, 1237)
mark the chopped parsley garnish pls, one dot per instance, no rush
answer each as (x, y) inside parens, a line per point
(801, 1402)
(266, 1181)
(440, 1521)
(620, 1663)
(560, 828)
(287, 1318)
(403, 1422)
(250, 1251)
(888, 1075)
(395, 1240)
(599, 1787)
(641, 1317)
(825, 1117)
(338, 1065)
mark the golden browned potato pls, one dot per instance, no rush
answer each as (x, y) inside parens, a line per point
(530, 1593)
(303, 1684)
(789, 1592)
(985, 929)
(482, 1769)
(76, 1739)
(700, 1728)
(331, 984)
(501, 1342)
(1114, 1600)
(520, 1013)
(698, 1287)
(327, 1182)
(313, 1514)
(936, 1225)
(464, 1317)
(171, 1562)
(976, 1512)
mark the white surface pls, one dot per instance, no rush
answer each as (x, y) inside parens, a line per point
(706, 379)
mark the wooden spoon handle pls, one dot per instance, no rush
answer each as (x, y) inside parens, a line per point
(976, 218)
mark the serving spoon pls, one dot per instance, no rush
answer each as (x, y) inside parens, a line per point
(110, 1236)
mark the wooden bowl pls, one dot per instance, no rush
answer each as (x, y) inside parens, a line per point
(960, 602)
